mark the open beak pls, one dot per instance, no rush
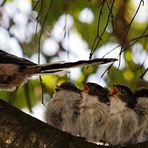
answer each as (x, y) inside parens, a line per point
(85, 88)
(57, 88)
(114, 90)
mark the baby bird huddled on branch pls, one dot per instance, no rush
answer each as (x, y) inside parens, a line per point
(141, 110)
(94, 111)
(63, 110)
(122, 124)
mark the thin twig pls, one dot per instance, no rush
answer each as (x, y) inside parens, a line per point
(107, 70)
(39, 46)
(98, 38)
(98, 25)
(129, 25)
(141, 77)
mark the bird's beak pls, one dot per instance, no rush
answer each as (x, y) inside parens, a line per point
(85, 88)
(114, 90)
(58, 88)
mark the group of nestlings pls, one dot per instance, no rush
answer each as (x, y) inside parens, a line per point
(116, 117)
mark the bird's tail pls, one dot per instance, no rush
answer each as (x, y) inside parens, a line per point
(58, 67)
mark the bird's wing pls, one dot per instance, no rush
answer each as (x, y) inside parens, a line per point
(6, 58)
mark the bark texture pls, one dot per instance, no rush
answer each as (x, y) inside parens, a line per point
(19, 130)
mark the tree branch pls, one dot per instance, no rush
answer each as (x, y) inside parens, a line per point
(20, 130)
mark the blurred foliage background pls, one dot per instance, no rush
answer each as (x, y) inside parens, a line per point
(47, 31)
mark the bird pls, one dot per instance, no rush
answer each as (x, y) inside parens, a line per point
(79, 112)
(63, 110)
(141, 110)
(122, 123)
(15, 70)
(94, 111)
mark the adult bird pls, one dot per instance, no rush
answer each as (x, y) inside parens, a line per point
(15, 70)
(141, 110)
(94, 111)
(63, 110)
(122, 124)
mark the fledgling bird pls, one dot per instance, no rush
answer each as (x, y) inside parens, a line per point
(94, 111)
(15, 70)
(63, 110)
(122, 124)
(141, 110)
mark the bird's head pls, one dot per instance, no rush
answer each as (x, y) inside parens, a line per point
(94, 89)
(68, 86)
(124, 94)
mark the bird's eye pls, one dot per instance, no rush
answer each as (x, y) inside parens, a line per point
(94, 89)
(91, 87)
(122, 91)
